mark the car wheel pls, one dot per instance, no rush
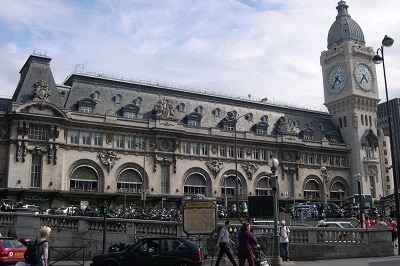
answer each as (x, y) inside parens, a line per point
(109, 263)
(183, 263)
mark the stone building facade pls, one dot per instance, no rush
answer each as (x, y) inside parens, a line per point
(101, 138)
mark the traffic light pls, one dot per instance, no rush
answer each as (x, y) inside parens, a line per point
(103, 209)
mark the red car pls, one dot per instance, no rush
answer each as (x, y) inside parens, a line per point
(11, 251)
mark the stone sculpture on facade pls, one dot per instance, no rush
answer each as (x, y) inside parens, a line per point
(249, 169)
(108, 158)
(41, 90)
(164, 109)
(215, 167)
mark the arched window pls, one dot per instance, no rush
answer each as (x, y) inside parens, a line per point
(263, 186)
(216, 112)
(117, 98)
(311, 190)
(181, 107)
(195, 184)
(228, 186)
(131, 180)
(138, 101)
(96, 96)
(84, 178)
(337, 191)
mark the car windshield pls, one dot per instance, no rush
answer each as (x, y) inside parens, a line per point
(11, 243)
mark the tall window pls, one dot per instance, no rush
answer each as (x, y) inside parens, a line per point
(74, 135)
(38, 132)
(140, 144)
(231, 151)
(36, 170)
(98, 139)
(86, 136)
(204, 149)
(256, 154)
(222, 150)
(263, 154)
(240, 152)
(196, 149)
(185, 147)
(130, 140)
(165, 179)
(120, 141)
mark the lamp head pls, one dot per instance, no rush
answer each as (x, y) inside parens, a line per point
(377, 59)
(323, 169)
(273, 162)
(387, 41)
(230, 114)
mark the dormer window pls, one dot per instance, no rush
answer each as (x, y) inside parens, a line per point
(130, 111)
(138, 101)
(216, 112)
(307, 134)
(181, 107)
(264, 119)
(86, 105)
(117, 98)
(260, 128)
(199, 109)
(194, 119)
(96, 96)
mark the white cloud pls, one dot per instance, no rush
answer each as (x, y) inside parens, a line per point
(266, 48)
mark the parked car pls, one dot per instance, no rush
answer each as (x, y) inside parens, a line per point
(337, 224)
(152, 251)
(263, 222)
(11, 251)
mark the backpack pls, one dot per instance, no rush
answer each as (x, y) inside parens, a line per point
(34, 251)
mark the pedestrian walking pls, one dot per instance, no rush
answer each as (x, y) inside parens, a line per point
(44, 235)
(223, 242)
(11, 231)
(284, 234)
(247, 242)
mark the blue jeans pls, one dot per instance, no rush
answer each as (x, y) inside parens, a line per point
(284, 250)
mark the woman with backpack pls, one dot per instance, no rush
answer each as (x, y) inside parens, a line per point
(44, 243)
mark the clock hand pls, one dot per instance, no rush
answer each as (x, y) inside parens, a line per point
(364, 78)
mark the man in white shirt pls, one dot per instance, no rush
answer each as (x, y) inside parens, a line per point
(223, 243)
(284, 234)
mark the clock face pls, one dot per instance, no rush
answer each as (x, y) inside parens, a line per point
(363, 77)
(337, 79)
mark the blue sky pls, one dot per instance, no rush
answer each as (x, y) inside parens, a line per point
(265, 48)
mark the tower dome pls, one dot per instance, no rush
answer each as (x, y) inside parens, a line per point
(344, 28)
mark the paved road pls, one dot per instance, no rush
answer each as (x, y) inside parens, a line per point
(374, 261)
(386, 261)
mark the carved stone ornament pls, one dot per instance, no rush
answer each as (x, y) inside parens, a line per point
(164, 109)
(215, 167)
(285, 126)
(41, 90)
(108, 158)
(249, 169)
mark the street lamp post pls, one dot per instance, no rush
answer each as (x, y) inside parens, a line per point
(361, 200)
(273, 163)
(340, 197)
(377, 59)
(226, 195)
(324, 175)
(232, 117)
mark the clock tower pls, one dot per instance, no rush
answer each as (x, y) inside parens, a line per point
(351, 96)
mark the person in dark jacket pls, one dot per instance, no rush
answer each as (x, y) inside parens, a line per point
(247, 242)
